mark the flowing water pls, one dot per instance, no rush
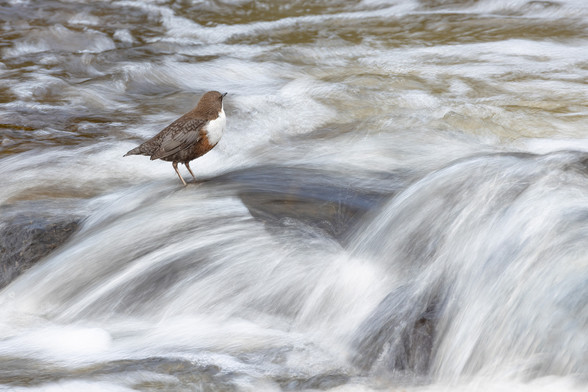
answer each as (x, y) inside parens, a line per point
(400, 201)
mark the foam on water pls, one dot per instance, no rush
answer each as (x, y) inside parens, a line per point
(499, 58)
(66, 386)
(60, 38)
(181, 27)
(222, 74)
(526, 8)
(61, 343)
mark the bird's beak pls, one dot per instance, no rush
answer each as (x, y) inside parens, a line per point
(224, 94)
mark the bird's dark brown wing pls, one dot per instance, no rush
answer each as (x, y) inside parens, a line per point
(179, 135)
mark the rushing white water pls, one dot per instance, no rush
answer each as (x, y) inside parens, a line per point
(400, 201)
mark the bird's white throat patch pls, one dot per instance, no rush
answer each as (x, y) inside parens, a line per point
(215, 128)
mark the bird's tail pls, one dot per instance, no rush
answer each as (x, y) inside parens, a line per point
(134, 151)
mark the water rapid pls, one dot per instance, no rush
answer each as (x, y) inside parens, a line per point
(400, 201)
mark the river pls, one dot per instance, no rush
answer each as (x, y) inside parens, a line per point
(399, 202)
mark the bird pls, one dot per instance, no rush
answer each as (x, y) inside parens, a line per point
(190, 136)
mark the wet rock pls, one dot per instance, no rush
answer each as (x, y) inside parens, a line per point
(28, 236)
(186, 375)
(16, 372)
(322, 199)
(318, 382)
(398, 336)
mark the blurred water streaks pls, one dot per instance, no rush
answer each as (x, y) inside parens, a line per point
(399, 201)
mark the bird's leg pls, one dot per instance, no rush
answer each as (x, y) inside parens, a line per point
(175, 164)
(190, 170)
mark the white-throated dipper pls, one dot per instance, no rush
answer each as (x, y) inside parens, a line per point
(190, 136)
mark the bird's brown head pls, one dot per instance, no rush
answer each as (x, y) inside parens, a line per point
(210, 104)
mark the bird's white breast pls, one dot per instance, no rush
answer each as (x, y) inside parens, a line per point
(216, 127)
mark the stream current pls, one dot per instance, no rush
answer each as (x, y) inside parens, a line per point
(399, 202)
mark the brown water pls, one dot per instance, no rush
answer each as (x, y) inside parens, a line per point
(399, 202)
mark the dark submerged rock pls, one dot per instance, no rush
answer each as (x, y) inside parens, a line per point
(318, 382)
(321, 199)
(28, 236)
(398, 336)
